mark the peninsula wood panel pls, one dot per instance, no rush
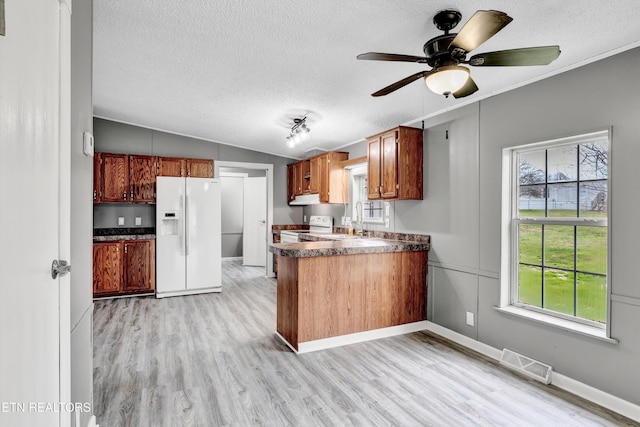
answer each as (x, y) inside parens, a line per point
(287, 301)
(322, 297)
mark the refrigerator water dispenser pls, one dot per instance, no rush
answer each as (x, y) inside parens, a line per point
(169, 224)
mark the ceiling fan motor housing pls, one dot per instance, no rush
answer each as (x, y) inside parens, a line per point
(437, 51)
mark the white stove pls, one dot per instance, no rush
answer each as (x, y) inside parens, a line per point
(317, 224)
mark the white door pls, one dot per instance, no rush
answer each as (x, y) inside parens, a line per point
(254, 238)
(170, 242)
(34, 212)
(203, 243)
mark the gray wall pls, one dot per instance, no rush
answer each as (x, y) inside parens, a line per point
(121, 138)
(81, 207)
(461, 211)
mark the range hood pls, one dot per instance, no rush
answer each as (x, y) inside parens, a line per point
(306, 199)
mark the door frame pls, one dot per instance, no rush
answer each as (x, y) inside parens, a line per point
(268, 169)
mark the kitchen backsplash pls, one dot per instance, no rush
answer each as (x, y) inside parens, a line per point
(106, 215)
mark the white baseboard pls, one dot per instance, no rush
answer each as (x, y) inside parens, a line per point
(232, 258)
(188, 292)
(585, 391)
(308, 346)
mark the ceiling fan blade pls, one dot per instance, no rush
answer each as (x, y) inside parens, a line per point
(401, 83)
(541, 55)
(377, 56)
(483, 25)
(466, 90)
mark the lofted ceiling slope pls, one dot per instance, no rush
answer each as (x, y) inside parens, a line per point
(238, 72)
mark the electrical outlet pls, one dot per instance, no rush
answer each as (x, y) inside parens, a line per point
(386, 222)
(346, 221)
(304, 218)
(469, 318)
(120, 220)
(138, 220)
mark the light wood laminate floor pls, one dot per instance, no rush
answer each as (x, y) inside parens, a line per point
(213, 360)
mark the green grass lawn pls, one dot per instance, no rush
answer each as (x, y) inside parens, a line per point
(591, 257)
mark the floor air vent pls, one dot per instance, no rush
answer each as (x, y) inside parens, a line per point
(527, 366)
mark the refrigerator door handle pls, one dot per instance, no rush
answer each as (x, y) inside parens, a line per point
(186, 225)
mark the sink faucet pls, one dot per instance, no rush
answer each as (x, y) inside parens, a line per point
(359, 221)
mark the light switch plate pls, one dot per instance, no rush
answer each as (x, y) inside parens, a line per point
(138, 220)
(387, 208)
(120, 220)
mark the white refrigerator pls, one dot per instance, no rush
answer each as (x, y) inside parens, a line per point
(188, 239)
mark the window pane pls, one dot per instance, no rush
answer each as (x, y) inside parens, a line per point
(594, 160)
(531, 201)
(558, 290)
(530, 243)
(562, 164)
(372, 210)
(530, 285)
(558, 246)
(593, 199)
(562, 200)
(531, 167)
(592, 249)
(592, 297)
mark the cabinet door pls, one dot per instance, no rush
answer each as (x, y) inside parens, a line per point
(142, 179)
(137, 268)
(373, 167)
(107, 268)
(298, 178)
(314, 175)
(291, 186)
(200, 168)
(324, 178)
(171, 166)
(389, 165)
(97, 190)
(114, 177)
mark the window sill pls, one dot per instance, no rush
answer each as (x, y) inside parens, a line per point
(567, 325)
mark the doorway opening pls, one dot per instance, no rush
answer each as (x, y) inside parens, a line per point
(247, 212)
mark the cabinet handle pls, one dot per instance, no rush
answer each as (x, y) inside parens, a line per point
(131, 195)
(124, 196)
(125, 248)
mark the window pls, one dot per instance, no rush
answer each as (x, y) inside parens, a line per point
(558, 228)
(371, 210)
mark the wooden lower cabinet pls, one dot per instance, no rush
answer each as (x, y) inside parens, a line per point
(123, 267)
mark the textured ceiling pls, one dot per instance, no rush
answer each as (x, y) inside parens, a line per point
(239, 71)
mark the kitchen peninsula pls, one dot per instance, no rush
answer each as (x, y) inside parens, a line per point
(335, 289)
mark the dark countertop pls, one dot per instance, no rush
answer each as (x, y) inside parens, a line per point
(123, 237)
(123, 233)
(332, 245)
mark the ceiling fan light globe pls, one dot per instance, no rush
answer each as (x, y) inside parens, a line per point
(447, 80)
(290, 142)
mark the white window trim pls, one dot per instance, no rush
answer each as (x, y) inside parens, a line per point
(359, 171)
(508, 276)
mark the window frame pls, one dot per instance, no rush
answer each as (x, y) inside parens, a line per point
(511, 223)
(357, 172)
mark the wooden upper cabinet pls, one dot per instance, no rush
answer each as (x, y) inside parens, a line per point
(374, 157)
(395, 164)
(114, 176)
(172, 166)
(314, 175)
(389, 165)
(97, 187)
(107, 268)
(142, 179)
(291, 192)
(298, 179)
(200, 168)
(138, 266)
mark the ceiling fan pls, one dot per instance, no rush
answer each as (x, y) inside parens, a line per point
(445, 53)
